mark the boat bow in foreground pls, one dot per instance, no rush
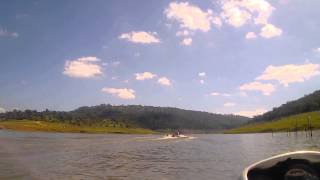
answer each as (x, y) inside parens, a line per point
(299, 165)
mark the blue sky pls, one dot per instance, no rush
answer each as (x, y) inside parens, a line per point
(241, 57)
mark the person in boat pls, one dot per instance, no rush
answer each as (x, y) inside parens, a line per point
(175, 134)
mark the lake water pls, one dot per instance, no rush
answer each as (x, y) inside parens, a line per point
(26, 155)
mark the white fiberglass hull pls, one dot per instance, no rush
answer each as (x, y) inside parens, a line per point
(268, 167)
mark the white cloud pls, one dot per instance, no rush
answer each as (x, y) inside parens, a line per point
(2, 110)
(6, 33)
(251, 35)
(220, 94)
(229, 104)
(251, 113)
(164, 81)
(262, 7)
(84, 67)
(144, 76)
(270, 31)
(182, 33)
(266, 89)
(290, 73)
(122, 93)
(189, 16)
(202, 74)
(217, 21)
(215, 94)
(234, 15)
(186, 41)
(237, 13)
(317, 50)
(140, 37)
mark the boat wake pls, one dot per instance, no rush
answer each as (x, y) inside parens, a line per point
(170, 137)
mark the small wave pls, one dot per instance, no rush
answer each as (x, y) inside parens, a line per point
(169, 137)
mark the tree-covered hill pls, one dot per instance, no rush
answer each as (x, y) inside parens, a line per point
(308, 103)
(299, 122)
(155, 118)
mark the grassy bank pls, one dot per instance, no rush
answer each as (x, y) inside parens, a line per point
(29, 125)
(281, 125)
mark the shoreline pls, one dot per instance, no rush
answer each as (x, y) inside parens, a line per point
(57, 127)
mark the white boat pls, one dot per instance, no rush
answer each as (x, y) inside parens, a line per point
(172, 136)
(299, 165)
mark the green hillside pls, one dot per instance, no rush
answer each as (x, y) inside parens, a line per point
(282, 124)
(307, 103)
(130, 117)
(31, 125)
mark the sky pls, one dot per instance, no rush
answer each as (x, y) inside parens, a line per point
(227, 56)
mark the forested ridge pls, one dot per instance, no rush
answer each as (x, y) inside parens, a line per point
(308, 103)
(155, 118)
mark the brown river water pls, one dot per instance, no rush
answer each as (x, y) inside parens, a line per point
(36, 155)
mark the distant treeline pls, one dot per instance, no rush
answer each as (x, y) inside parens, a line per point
(307, 103)
(133, 115)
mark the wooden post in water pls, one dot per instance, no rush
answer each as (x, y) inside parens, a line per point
(306, 131)
(296, 128)
(310, 125)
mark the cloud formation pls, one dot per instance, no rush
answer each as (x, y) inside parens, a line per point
(252, 113)
(270, 31)
(220, 94)
(186, 41)
(144, 76)
(265, 89)
(251, 35)
(233, 14)
(164, 81)
(217, 21)
(2, 110)
(6, 33)
(317, 50)
(84, 67)
(229, 104)
(122, 93)
(183, 33)
(189, 16)
(140, 37)
(290, 73)
(202, 74)
(237, 13)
